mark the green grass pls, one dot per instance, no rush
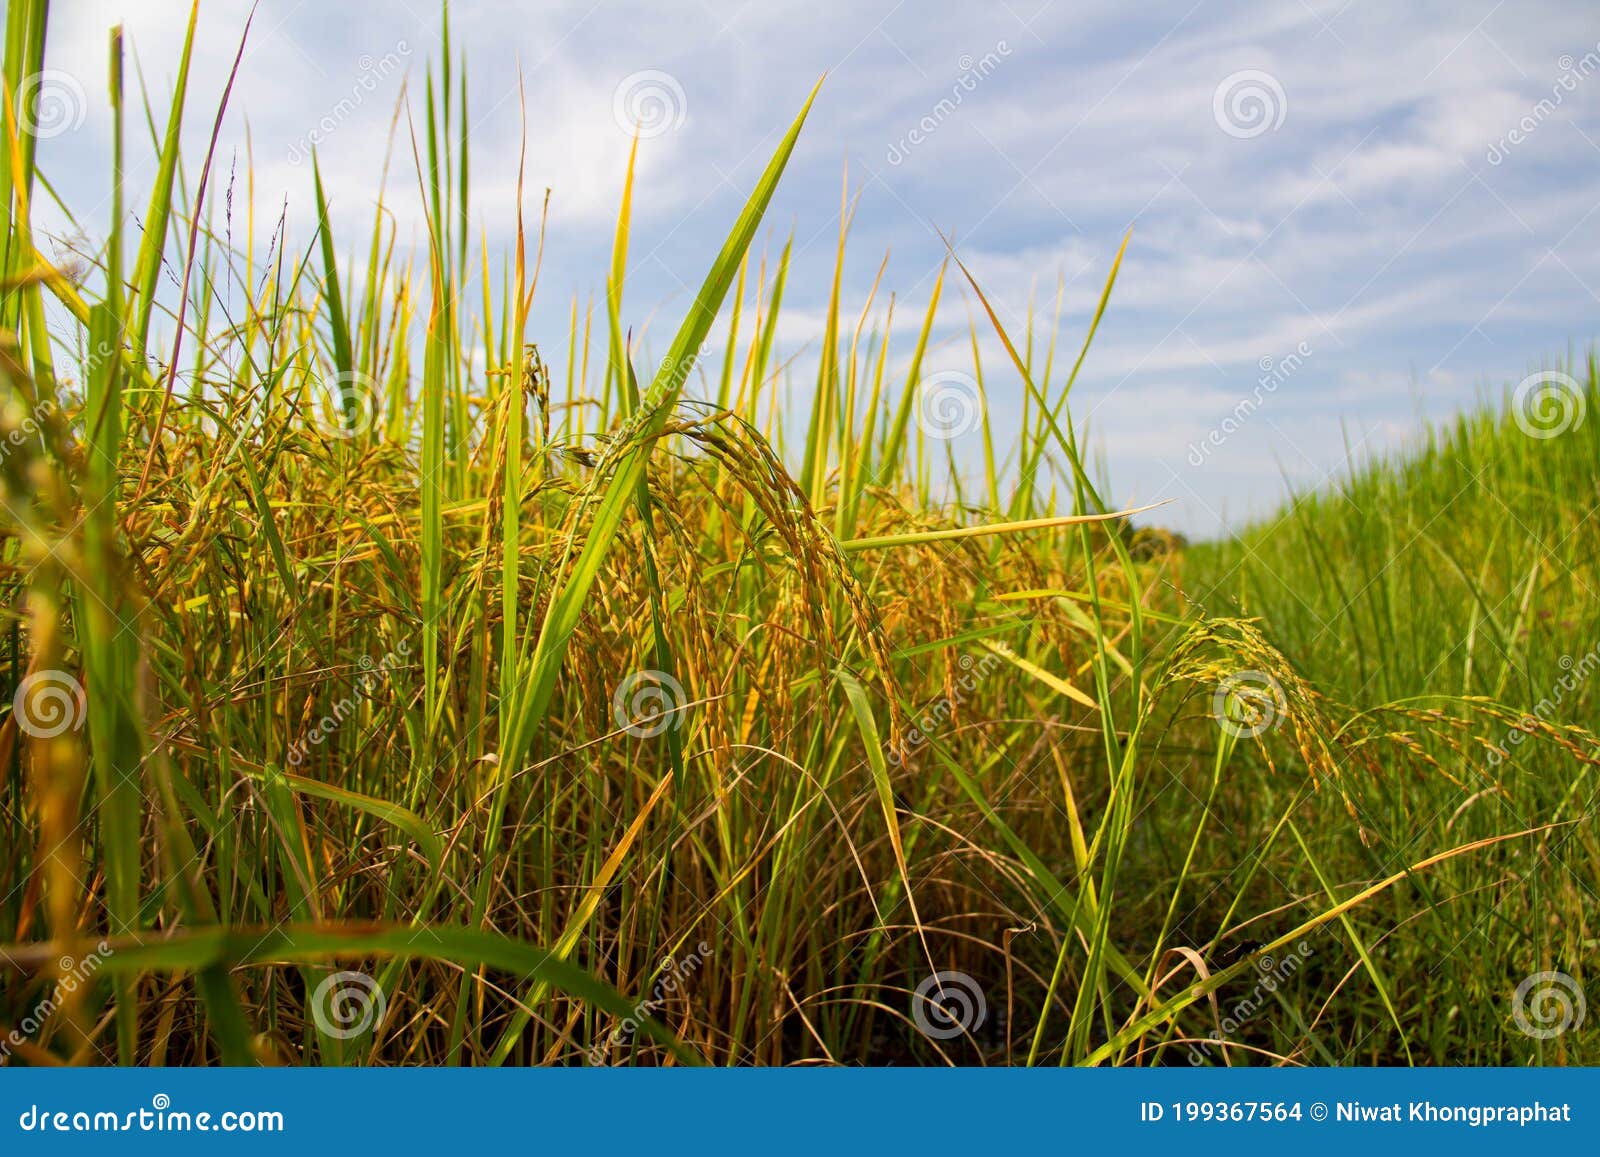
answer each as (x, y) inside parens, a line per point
(589, 718)
(1453, 583)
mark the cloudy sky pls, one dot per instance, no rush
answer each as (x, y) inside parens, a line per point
(1382, 215)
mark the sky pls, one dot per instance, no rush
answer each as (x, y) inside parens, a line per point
(1346, 218)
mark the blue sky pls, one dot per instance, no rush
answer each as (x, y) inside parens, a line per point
(1387, 211)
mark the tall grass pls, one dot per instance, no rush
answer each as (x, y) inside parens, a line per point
(1456, 582)
(583, 716)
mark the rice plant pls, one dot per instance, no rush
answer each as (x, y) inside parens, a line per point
(392, 683)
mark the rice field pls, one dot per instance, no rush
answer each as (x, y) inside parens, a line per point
(390, 682)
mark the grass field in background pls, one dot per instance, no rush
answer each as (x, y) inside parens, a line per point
(390, 683)
(1427, 589)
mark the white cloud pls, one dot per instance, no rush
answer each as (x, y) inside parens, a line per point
(1370, 224)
